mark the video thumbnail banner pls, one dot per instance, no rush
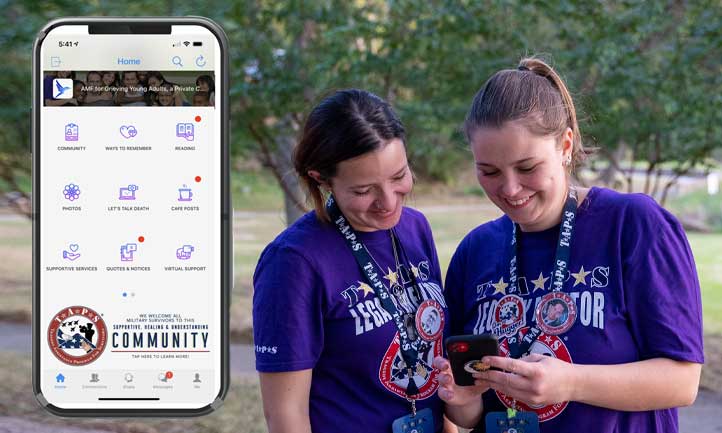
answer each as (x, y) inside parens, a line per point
(128, 88)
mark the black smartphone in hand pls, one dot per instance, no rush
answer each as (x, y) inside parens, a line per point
(465, 353)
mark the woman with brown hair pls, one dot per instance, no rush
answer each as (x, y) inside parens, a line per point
(624, 348)
(339, 295)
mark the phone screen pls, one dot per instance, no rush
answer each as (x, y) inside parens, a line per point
(129, 218)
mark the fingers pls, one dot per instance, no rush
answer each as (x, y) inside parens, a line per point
(441, 364)
(500, 379)
(534, 357)
(515, 366)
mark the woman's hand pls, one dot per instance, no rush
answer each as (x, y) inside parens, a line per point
(537, 380)
(453, 394)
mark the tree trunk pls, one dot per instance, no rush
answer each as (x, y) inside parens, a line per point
(292, 192)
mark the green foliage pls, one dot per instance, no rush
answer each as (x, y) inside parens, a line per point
(644, 74)
(700, 207)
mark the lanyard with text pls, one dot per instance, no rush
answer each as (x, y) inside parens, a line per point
(371, 273)
(557, 312)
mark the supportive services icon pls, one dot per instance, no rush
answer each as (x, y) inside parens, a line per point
(71, 253)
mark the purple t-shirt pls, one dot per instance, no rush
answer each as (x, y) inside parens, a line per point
(632, 277)
(312, 309)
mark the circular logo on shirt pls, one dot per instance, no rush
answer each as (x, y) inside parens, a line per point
(430, 320)
(509, 316)
(394, 375)
(77, 335)
(556, 313)
(547, 345)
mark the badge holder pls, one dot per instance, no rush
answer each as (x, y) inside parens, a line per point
(512, 422)
(417, 422)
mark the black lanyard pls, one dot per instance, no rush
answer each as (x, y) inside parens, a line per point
(520, 346)
(371, 272)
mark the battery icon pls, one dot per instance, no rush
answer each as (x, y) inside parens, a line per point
(197, 44)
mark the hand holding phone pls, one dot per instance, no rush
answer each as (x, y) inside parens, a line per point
(465, 353)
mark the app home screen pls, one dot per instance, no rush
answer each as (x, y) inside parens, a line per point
(129, 227)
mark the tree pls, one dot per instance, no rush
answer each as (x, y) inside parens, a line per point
(645, 75)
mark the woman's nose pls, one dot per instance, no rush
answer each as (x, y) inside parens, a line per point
(510, 186)
(386, 199)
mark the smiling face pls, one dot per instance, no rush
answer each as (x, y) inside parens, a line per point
(108, 78)
(522, 173)
(370, 188)
(130, 79)
(94, 82)
(154, 81)
(554, 312)
(165, 97)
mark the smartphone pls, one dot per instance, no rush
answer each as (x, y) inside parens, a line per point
(131, 217)
(465, 353)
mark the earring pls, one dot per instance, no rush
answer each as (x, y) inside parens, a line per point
(568, 160)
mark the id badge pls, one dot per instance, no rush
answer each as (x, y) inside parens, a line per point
(521, 422)
(423, 422)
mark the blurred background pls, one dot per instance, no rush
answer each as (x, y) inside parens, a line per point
(646, 78)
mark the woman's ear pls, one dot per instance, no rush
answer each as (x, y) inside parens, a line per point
(567, 145)
(315, 175)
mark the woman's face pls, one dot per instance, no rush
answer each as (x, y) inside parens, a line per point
(130, 79)
(522, 173)
(370, 188)
(108, 78)
(154, 81)
(203, 86)
(165, 97)
(94, 82)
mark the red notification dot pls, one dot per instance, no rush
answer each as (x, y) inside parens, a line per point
(459, 347)
(141, 238)
(169, 375)
(198, 118)
(198, 178)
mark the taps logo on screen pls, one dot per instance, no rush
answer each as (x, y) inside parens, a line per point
(62, 88)
(77, 335)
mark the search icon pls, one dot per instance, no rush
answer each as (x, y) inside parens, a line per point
(176, 60)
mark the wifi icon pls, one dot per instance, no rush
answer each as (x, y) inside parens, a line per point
(186, 43)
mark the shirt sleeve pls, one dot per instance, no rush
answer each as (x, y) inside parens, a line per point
(287, 312)
(661, 288)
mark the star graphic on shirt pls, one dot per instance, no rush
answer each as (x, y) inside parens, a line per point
(365, 287)
(548, 339)
(415, 270)
(393, 277)
(500, 287)
(580, 277)
(539, 282)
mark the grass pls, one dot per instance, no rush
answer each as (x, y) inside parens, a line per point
(706, 250)
(255, 190)
(242, 410)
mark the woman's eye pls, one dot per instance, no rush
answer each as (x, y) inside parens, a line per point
(362, 192)
(489, 173)
(527, 169)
